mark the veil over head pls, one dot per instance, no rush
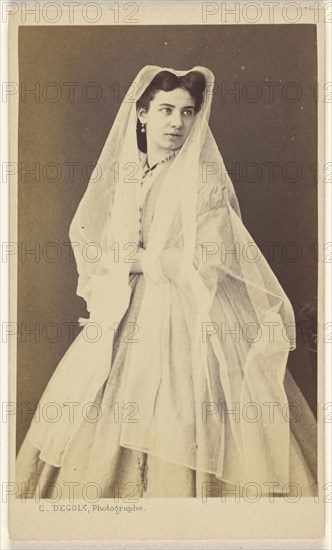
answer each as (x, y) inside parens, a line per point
(238, 320)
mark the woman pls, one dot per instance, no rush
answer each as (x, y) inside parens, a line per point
(179, 390)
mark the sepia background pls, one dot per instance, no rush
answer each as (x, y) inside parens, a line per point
(266, 130)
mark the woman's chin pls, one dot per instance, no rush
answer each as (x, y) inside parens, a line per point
(171, 145)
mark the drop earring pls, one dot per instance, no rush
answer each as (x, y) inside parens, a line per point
(143, 128)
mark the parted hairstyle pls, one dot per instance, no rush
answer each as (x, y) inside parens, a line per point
(193, 82)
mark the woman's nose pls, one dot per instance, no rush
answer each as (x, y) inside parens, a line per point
(176, 119)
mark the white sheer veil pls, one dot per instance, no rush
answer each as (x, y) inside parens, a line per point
(197, 211)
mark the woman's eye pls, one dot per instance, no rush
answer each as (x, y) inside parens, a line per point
(166, 110)
(188, 113)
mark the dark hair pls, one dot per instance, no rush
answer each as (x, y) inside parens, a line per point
(193, 82)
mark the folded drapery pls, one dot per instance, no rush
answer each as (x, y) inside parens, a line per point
(236, 322)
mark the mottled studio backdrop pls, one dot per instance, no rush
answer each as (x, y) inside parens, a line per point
(264, 119)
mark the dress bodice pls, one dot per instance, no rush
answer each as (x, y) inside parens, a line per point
(210, 198)
(150, 187)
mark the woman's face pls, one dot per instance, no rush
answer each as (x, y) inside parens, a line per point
(168, 119)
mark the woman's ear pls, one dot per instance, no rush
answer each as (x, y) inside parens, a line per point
(141, 114)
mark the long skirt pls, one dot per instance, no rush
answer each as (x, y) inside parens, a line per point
(97, 466)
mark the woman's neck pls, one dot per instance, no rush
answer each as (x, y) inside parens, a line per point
(154, 157)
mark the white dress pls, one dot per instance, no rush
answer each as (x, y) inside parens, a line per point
(99, 465)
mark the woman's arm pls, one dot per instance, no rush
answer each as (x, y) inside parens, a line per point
(168, 264)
